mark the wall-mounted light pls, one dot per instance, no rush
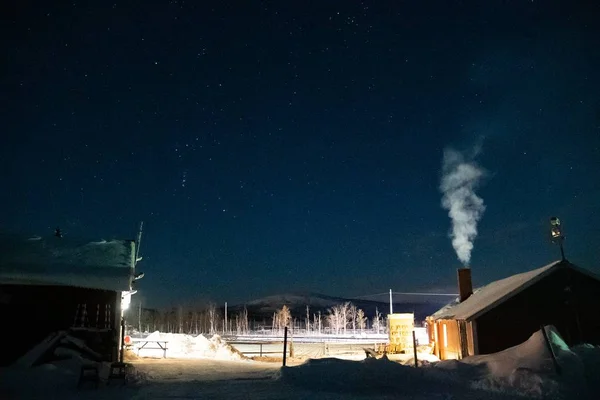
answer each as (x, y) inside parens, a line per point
(138, 276)
(126, 299)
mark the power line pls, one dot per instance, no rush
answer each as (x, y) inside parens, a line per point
(408, 293)
(427, 294)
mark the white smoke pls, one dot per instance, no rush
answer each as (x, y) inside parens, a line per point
(460, 178)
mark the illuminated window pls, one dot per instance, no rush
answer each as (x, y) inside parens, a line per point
(445, 336)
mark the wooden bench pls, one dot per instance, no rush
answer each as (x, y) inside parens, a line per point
(162, 345)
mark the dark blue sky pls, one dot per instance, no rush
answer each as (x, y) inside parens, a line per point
(276, 146)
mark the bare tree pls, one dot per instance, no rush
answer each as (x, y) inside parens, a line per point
(281, 318)
(337, 317)
(275, 325)
(361, 320)
(344, 314)
(212, 317)
(180, 318)
(352, 314)
(317, 322)
(285, 316)
(241, 322)
(377, 321)
(307, 322)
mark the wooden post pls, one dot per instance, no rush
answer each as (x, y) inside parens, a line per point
(284, 344)
(122, 351)
(554, 360)
(415, 348)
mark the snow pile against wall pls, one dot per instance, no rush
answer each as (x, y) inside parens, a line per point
(188, 346)
(528, 368)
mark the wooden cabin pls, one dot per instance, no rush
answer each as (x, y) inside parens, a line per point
(57, 284)
(506, 312)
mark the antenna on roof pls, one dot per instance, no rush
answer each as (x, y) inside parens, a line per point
(138, 242)
(557, 235)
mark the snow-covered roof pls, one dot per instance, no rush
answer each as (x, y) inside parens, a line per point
(106, 265)
(489, 296)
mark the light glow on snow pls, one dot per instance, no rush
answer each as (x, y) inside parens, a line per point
(523, 371)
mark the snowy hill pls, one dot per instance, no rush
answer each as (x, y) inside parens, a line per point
(264, 308)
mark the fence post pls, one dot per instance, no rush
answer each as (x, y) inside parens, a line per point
(284, 344)
(415, 348)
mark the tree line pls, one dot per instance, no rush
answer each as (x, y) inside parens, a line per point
(343, 318)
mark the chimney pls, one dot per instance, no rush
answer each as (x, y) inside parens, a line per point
(465, 286)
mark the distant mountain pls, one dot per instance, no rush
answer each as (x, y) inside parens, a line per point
(265, 307)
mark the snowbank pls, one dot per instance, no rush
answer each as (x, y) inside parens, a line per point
(188, 346)
(367, 376)
(524, 370)
(528, 369)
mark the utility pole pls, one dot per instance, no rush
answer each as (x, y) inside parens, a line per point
(139, 241)
(140, 318)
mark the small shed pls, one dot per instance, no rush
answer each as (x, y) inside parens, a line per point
(506, 312)
(58, 284)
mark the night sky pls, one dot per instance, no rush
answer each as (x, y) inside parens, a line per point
(285, 146)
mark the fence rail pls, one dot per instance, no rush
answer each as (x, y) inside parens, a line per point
(258, 348)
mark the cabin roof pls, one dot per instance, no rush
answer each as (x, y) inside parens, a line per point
(489, 296)
(106, 265)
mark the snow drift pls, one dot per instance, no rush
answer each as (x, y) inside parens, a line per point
(189, 346)
(524, 370)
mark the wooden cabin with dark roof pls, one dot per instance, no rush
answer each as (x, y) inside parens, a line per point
(56, 284)
(506, 312)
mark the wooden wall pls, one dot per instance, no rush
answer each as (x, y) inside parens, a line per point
(29, 313)
(447, 345)
(566, 298)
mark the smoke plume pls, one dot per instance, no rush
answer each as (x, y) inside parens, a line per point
(460, 178)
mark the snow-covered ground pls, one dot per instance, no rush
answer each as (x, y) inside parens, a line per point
(524, 371)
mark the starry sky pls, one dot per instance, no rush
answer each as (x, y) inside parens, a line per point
(279, 146)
